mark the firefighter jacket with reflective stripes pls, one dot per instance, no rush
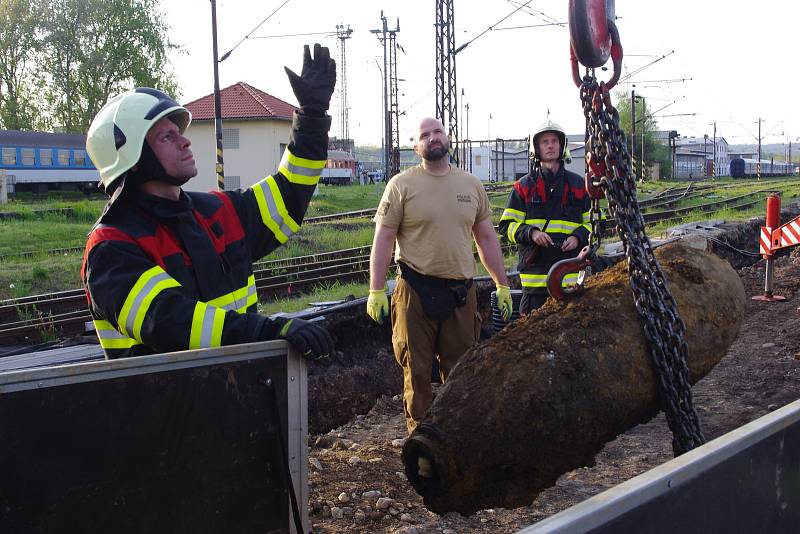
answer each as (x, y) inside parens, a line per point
(559, 198)
(163, 275)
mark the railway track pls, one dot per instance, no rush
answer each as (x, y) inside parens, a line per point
(28, 318)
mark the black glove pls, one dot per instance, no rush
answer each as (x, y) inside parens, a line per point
(314, 87)
(312, 340)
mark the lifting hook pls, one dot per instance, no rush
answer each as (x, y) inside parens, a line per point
(560, 269)
(593, 37)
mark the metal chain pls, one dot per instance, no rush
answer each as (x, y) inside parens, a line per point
(663, 327)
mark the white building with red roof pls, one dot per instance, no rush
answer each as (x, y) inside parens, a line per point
(255, 131)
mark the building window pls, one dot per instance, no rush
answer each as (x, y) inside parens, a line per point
(233, 183)
(230, 138)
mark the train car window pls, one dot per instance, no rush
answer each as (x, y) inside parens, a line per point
(63, 157)
(28, 156)
(80, 157)
(9, 156)
(233, 183)
(230, 138)
(45, 156)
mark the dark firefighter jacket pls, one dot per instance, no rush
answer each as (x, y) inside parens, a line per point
(559, 198)
(163, 275)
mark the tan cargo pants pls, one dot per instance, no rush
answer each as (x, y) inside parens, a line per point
(417, 340)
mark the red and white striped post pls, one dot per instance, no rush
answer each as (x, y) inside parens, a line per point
(769, 240)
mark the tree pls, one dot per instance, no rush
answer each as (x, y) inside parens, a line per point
(654, 152)
(20, 43)
(96, 48)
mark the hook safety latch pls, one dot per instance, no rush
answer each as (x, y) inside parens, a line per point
(560, 269)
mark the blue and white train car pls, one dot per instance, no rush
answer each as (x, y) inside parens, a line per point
(41, 161)
(748, 168)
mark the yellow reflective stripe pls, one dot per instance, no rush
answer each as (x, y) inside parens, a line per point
(538, 223)
(562, 227)
(207, 323)
(512, 231)
(301, 170)
(273, 209)
(238, 300)
(110, 338)
(540, 280)
(151, 282)
(587, 220)
(515, 215)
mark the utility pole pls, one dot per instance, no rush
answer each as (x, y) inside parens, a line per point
(714, 161)
(387, 39)
(463, 155)
(343, 34)
(641, 162)
(633, 129)
(217, 103)
(758, 163)
(466, 136)
(446, 90)
(394, 108)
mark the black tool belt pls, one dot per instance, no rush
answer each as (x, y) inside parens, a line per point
(439, 296)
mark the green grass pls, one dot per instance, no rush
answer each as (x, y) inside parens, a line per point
(331, 292)
(44, 273)
(338, 199)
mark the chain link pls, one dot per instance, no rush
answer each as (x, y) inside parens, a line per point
(663, 327)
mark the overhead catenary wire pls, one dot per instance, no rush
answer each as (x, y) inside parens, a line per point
(645, 66)
(536, 13)
(227, 54)
(487, 30)
(530, 26)
(292, 35)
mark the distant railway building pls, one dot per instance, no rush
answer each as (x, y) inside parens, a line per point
(255, 132)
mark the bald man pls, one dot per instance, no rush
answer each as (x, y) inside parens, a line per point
(433, 211)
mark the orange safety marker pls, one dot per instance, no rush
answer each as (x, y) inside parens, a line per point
(769, 242)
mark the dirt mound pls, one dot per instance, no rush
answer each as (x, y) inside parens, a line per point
(759, 373)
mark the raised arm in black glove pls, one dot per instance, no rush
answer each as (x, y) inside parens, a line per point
(312, 340)
(314, 87)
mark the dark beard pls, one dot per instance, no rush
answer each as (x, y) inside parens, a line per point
(435, 153)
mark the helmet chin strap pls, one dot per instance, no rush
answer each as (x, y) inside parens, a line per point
(149, 168)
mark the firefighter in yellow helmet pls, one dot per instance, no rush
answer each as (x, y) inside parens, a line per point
(547, 214)
(165, 269)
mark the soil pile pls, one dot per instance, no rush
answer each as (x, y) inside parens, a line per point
(544, 396)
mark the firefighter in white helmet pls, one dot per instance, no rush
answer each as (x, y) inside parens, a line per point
(547, 214)
(165, 269)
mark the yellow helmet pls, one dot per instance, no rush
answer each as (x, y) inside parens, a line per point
(117, 133)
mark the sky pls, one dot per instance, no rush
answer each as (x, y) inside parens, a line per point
(738, 61)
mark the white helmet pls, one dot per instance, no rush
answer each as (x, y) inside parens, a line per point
(548, 126)
(116, 135)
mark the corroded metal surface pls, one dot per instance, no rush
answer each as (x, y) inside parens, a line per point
(544, 396)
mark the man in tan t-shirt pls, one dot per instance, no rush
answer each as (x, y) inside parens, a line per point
(433, 211)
